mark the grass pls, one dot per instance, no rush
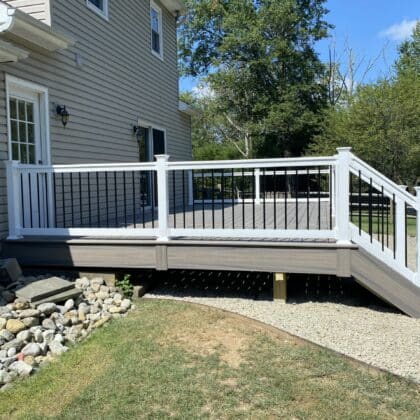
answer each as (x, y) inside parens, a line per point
(171, 359)
(411, 224)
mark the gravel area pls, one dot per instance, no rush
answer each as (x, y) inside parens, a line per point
(373, 334)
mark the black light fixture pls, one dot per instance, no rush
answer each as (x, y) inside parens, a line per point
(62, 111)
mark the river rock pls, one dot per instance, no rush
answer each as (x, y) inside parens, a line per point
(48, 324)
(30, 322)
(5, 377)
(47, 308)
(3, 323)
(57, 348)
(29, 313)
(32, 349)
(24, 336)
(21, 368)
(7, 335)
(15, 326)
(69, 304)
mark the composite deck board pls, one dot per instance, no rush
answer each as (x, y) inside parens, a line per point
(229, 216)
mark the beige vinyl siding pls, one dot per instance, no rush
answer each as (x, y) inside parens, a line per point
(118, 82)
(39, 9)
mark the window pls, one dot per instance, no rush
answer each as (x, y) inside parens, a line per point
(99, 6)
(156, 29)
(22, 130)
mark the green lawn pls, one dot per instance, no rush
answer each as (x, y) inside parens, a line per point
(411, 224)
(169, 359)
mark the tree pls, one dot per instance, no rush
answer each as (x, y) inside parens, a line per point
(259, 60)
(382, 122)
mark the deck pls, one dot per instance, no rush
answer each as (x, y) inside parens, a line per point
(329, 215)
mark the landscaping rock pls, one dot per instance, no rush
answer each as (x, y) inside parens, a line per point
(5, 377)
(69, 304)
(32, 349)
(47, 308)
(21, 368)
(48, 324)
(57, 348)
(10, 271)
(30, 337)
(15, 326)
(29, 313)
(24, 336)
(30, 322)
(7, 335)
(8, 296)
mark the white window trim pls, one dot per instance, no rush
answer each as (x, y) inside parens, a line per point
(153, 5)
(12, 81)
(102, 13)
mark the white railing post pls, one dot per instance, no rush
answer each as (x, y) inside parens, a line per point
(417, 277)
(14, 205)
(342, 201)
(163, 195)
(257, 187)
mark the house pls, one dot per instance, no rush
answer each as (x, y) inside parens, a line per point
(77, 76)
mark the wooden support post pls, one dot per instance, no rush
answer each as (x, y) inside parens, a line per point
(280, 287)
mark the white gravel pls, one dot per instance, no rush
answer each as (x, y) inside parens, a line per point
(377, 336)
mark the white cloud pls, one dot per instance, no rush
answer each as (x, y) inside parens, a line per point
(399, 31)
(202, 90)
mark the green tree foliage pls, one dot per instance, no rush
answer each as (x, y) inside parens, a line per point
(381, 121)
(258, 58)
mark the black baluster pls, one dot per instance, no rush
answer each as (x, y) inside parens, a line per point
(405, 233)
(62, 200)
(319, 198)
(125, 199)
(46, 200)
(382, 217)
(22, 200)
(143, 199)
(174, 196)
(152, 177)
(212, 198)
(264, 193)
(39, 199)
(308, 193)
(296, 198)
(133, 180)
(89, 201)
(107, 199)
(253, 198)
(72, 199)
(370, 211)
(98, 205)
(360, 203)
(388, 209)
(183, 193)
(285, 198)
(203, 215)
(233, 198)
(115, 199)
(351, 197)
(80, 199)
(275, 198)
(223, 197)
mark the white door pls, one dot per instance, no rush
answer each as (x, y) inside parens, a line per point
(26, 146)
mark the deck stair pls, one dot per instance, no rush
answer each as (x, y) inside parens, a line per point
(53, 289)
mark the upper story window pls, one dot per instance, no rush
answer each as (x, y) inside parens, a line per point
(99, 6)
(156, 29)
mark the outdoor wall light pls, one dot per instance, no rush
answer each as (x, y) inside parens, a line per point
(62, 111)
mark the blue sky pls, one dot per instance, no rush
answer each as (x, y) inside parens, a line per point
(370, 26)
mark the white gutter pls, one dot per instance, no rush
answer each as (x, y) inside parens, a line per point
(22, 29)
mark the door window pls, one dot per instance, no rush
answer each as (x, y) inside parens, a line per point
(22, 130)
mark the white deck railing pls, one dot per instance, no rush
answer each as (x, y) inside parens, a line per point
(310, 198)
